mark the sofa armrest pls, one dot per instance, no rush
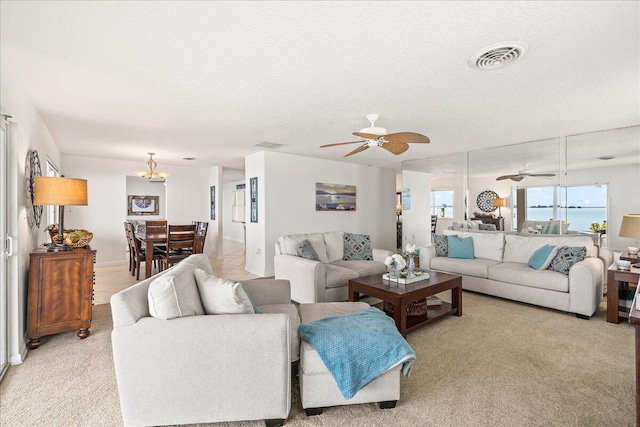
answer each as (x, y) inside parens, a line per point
(380, 254)
(585, 286)
(426, 253)
(208, 361)
(268, 291)
(308, 278)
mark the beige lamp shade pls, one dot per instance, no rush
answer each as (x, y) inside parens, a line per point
(498, 203)
(398, 208)
(53, 190)
(630, 226)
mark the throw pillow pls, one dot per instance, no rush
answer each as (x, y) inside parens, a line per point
(550, 229)
(487, 227)
(307, 251)
(220, 296)
(460, 248)
(541, 259)
(357, 247)
(174, 295)
(566, 257)
(442, 245)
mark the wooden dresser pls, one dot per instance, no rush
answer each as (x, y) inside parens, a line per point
(60, 293)
(498, 222)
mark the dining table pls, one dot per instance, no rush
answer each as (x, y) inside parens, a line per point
(149, 240)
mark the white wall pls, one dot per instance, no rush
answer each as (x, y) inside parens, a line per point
(416, 222)
(213, 242)
(230, 230)
(286, 203)
(187, 200)
(28, 132)
(137, 186)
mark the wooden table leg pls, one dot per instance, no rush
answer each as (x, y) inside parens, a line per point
(354, 296)
(612, 299)
(400, 317)
(456, 299)
(148, 259)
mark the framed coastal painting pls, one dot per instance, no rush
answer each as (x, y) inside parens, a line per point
(335, 197)
(143, 205)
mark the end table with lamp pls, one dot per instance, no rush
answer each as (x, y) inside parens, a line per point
(619, 279)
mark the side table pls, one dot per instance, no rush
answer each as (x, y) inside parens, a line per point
(634, 319)
(616, 280)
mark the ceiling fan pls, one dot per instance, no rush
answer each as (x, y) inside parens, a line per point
(522, 174)
(373, 136)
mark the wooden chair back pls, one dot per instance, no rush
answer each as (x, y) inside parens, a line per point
(201, 235)
(180, 241)
(156, 227)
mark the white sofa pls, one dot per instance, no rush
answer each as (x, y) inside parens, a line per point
(500, 268)
(325, 280)
(202, 368)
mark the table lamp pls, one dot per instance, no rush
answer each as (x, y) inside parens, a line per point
(398, 211)
(630, 227)
(60, 191)
(499, 203)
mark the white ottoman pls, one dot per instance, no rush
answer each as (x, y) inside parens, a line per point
(318, 388)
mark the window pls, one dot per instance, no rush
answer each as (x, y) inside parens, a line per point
(51, 215)
(442, 203)
(579, 206)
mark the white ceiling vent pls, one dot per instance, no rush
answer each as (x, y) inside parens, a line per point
(497, 55)
(269, 145)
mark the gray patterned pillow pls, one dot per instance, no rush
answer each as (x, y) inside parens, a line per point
(566, 257)
(442, 244)
(307, 251)
(487, 227)
(357, 247)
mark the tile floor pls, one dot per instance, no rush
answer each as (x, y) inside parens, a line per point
(114, 278)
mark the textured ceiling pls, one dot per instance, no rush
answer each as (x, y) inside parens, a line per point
(211, 79)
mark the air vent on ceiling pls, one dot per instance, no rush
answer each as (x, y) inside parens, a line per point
(270, 145)
(497, 55)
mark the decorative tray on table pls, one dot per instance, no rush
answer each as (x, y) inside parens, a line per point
(420, 275)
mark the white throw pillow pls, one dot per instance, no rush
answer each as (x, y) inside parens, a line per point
(174, 295)
(220, 296)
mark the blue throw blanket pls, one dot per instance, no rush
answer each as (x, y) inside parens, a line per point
(358, 347)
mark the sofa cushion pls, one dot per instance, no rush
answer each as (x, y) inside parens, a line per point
(334, 242)
(541, 259)
(442, 245)
(357, 247)
(339, 276)
(486, 244)
(221, 296)
(174, 294)
(363, 268)
(460, 247)
(522, 274)
(471, 267)
(519, 248)
(294, 322)
(290, 244)
(307, 251)
(566, 257)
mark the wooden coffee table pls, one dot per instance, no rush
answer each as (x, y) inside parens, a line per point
(401, 295)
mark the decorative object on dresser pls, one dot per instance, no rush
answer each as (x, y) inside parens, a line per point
(60, 293)
(60, 191)
(499, 203)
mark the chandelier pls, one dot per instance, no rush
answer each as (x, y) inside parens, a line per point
(151, 173)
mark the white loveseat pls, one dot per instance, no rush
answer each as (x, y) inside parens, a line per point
(500, 268)
(325, 280)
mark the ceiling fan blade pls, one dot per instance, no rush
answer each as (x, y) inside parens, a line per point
(543, 174)
(407, 138)
(341, 143)
(513, 177)
(357, 150)
(371, 136)
(395, 147)
(517, 178)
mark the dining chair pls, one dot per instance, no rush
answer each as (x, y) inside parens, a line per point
(200, 237)
(126, 234)
(139, 254)
(179, 244)
(156, 227)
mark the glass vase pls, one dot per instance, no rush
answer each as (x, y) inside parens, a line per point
(411, 267)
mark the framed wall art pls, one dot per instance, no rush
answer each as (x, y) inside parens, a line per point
(213, 202)
(253, 198)
(143, 205)
(335, 197)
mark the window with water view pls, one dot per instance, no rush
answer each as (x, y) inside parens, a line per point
(442, 203)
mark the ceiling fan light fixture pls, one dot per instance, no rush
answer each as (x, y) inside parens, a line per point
(151, 173)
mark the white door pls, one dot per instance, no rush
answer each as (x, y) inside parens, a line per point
(6, 249)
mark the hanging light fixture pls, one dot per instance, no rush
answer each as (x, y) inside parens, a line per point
(151, 173)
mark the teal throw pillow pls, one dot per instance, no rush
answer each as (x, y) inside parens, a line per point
(307, 251)
(566, 257)
(357, 247)
(442, 244)
(541, 259)
(253, 304)
(460, 248)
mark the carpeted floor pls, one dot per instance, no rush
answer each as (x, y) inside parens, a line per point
(500, 364)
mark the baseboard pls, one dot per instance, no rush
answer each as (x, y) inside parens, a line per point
(107, 264)
(17, 359)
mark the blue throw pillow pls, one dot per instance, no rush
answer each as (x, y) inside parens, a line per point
(550, 229)
(460, 248)
(541, 259)
(307, 251)
(566, 257)
(442, 244)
